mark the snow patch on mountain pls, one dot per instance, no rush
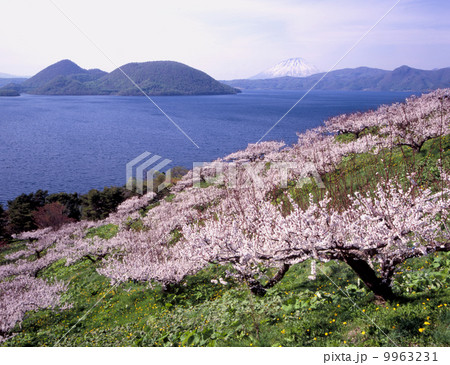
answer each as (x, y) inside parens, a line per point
(294, 67)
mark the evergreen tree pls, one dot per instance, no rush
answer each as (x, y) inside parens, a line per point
(20, 210)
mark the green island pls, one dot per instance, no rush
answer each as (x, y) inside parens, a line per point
(133, 79)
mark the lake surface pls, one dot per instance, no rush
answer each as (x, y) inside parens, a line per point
(77, 143)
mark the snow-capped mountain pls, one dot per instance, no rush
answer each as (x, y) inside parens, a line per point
(294, 67)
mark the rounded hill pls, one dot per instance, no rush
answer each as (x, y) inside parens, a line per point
(61, 68)
(161, 78)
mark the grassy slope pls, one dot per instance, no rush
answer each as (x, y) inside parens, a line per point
(333, 310)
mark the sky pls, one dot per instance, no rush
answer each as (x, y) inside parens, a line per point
(226, 39)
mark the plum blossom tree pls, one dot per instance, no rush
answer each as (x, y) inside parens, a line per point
(255, 151)
(23, 294)
(152, 254)
(418, 120)
(354, 123)
(387, 228)
(409, 124)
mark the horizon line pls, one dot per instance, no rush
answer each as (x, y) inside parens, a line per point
(12, 76)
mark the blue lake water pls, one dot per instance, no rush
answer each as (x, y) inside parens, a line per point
(76, 143)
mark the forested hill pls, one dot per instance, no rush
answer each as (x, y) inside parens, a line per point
(403, 78)
(155, 78)
(161, 78)
(62, 69)
(62, 78)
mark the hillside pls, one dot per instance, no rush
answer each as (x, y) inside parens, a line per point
(10, 89)
(161, 78)
(403, 78)
(155, 78)
(57, 78)
(350, 247)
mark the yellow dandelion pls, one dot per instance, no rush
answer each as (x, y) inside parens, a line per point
(421, 330)
(363, 332)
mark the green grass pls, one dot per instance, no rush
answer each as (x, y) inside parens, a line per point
(106, 232)
(296, 312)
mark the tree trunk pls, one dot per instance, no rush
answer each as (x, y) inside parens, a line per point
(380, 288)
(256, 288)
(278, 276)
(260, 290)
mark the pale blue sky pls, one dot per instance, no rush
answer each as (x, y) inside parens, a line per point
(227, 39)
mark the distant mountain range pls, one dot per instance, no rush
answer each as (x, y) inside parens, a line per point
(403, 78)
(9, 76)
(173, 78)
(294, 67)
(154, 78)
